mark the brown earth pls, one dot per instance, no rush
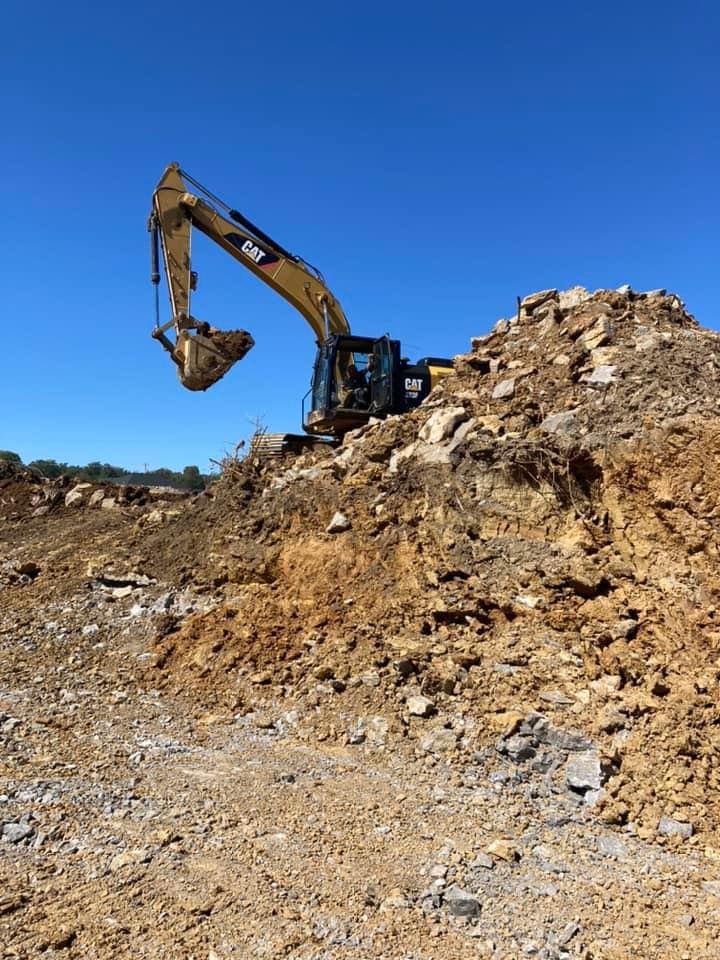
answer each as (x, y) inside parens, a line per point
(486, 629)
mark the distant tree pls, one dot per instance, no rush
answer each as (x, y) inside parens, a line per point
(192, 479)
(49, 468)
(9, 457)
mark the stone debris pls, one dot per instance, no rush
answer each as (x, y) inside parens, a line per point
(667, 827)
(460, 903)
(339, 523)
(420, 706)
(504, 390)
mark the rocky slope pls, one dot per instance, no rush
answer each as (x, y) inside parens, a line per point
(473, 653)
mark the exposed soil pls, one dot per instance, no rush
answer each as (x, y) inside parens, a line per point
(450, 690)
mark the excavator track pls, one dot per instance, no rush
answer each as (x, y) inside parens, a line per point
(268, 446)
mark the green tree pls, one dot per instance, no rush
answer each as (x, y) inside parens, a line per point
(9, 457)
(192, 479)
(49, 468)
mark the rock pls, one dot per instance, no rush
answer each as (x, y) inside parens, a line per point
(438, 453)
(482, 862)
(398, 456)
(567, 740)
(563, 422)
(568, 932)
(625, 290)
(96, 498)
(377, 729)
(442, 424)
(338, 524)
(460, 903)
(667, 827)
(602, 375)
(439, 740)
(420, 706)
(261, 677)
(712, 887)
(518, 748)
(109, 503)
(129, 858)
(16, 832)
(646, 341)
(74, 497)
(573, 297)
(503, 850)
(406, 667)
(612, 847)
(598, 335)
(534, 300)
(438, 871)
(583, 771)
(357, 734)
(27, 568)
(504, 390)
(396, 900)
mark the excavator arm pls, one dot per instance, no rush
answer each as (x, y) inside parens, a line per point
(202, 353)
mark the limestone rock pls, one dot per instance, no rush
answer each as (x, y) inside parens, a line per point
(505, 390)
(339, 523)
(439, 740)
(441, 424)
(534, 300)
(460, 903)
(420, 706)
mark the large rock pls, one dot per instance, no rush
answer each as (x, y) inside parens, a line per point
(505, 390)
(461, 903)
(420, 706)
(667, 827)
(441, 424)
(584, 771)
(563, 422)
(598, 335)
(439, 740)
(534, 300)
(602, 375)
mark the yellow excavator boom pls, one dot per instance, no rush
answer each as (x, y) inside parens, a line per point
(204, 354)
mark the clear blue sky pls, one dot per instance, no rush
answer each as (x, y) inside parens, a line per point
(434, 159)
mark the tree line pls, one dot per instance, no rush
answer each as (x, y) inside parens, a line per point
(188, 479)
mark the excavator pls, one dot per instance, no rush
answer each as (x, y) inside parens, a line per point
(354, 377)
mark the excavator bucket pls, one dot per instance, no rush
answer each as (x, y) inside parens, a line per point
(204, 358)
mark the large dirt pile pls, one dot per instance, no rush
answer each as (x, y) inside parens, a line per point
(447, 691)
(540, 536)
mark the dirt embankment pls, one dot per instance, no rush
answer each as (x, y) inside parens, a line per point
(521, 574)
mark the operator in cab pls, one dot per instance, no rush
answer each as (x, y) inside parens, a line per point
(355, 389)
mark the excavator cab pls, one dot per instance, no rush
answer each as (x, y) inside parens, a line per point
(354, 379)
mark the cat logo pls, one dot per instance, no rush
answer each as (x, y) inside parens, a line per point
(253, 251)
(413, 385)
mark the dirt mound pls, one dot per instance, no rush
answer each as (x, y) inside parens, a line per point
(539, 536)
(469, 657)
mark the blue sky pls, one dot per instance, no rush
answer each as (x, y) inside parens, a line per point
(434, 160)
